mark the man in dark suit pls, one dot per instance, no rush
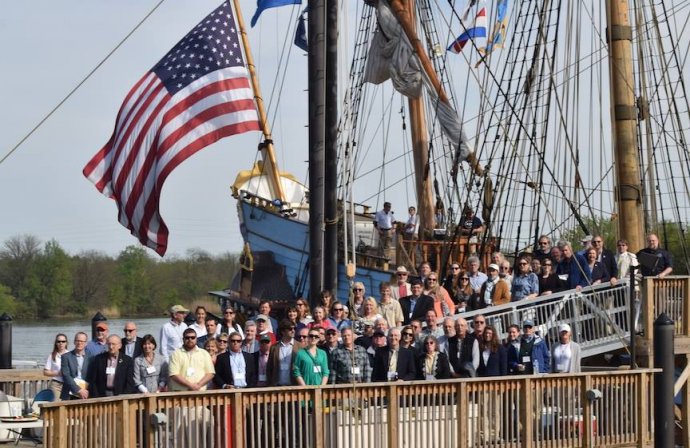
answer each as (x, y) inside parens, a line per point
(605, 257)
(111, 373)
(393, 362)
(74, 369)
(131, 344)
(416, 305)
(235, 368)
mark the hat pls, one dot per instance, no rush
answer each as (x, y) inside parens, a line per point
(586, 239)
(416, 281)
(102, 326)
(265, 338)
(261, 317)
(401, 270)
(379, 333)
(528, 323)
(331, 331)
(564, 327)
(367, 323)
(178, 309)
(493, 266)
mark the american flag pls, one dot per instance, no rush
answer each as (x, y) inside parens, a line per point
(197, 94)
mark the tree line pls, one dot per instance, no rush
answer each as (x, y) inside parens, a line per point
(41, 280)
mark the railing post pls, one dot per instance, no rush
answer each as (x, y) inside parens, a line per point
(319, 419)
(648, 318)
(59, 426)
(393, 416)
(123, 433)
(587, 435)
(149, 432)
(527, 418)
(238, 419)
(462, 414)
(686, 306)
(643, 408)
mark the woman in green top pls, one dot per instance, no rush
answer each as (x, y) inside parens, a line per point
(311, 363)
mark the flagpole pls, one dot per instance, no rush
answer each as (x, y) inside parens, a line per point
(267, 149)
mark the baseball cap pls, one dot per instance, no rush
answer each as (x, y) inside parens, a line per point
(331, 331)
(493, 266)
(101, 326)
(262, 317)
(265, 338)
(564, 327)
(379, 333)
(178, 309)
(528, 323)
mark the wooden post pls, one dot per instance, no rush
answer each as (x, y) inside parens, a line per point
(462, 414)
(526, 411)
(238, 419)
(686, 306)
(586, 412)
(644, 406)
(150, 408)
(319, 439)
(647, 308)
(393, 416)
(124, 432)
(59, 427)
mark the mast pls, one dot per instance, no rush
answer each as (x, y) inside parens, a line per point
(317, 136)
(624, 126)
(330, 267)
(270, 165)
(420, 154)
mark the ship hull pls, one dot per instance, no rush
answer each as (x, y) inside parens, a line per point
(287, 239)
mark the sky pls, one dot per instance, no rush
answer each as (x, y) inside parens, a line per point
(47, 49)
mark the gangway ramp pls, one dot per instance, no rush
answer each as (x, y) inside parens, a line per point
(599, 316)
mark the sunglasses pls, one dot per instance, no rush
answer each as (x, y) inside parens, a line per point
(222, 341)
(235, 341)
(128, 330)
(338, 309)
(408, 334)
(479, 322)
(301, 337)
(455, 268)
(402, 275)
(465, 279)
(314, 336)
(432, 279)
(186, 338)
(61, 342)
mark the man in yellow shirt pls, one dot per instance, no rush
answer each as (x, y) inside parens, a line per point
(191, 367)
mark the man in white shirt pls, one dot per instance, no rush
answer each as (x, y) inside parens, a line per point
(383, 222)
(171, 332)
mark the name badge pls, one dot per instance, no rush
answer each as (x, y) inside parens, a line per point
(317, 369)
(262, 377)
(392, 376)
(238, 376)
(190, 371)
(110, 370)
(563, 277)
(560, 367)
(356, 370)
(526, 359)
(430, 377)
(151, 369)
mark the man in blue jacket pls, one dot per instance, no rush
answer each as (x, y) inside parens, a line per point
(533, 356)
(573, 268)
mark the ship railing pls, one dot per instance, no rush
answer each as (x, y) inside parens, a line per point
(611, 408)
(441, 252)
(599, 316)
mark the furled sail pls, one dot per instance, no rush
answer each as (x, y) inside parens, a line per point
(391, 56)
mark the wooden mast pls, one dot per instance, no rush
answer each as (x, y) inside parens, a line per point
(270, 166)
(624, 124)
(420, 153)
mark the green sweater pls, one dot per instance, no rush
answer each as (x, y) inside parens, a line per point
(312, 369)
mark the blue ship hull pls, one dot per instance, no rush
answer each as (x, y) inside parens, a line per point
(288, 240)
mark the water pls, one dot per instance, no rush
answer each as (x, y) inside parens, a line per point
(33, 341)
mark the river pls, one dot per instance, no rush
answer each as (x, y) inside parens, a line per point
(33, 341)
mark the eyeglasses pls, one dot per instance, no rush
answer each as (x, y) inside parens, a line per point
(408, 334)
(61, 342)
(465, 279)
(314, 336)
(77, 341)
(429, 343)
(338, 309)
(186, 338)
(431, 279)
(128, 330)
(235, 341)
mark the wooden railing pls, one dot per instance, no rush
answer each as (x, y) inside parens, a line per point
(526, 411)
(23, 383)
(440, 253)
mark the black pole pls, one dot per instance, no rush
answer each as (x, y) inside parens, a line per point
(317, 131)
(330, 259)
(5, 341)
(664, 425)
(633, 313)
(95, 320)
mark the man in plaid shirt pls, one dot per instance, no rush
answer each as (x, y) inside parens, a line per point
(349, 363)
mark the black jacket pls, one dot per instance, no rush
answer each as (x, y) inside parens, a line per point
(124, 376)
(137, 348)
(224, 371)
(424, 304)
(406, 368)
